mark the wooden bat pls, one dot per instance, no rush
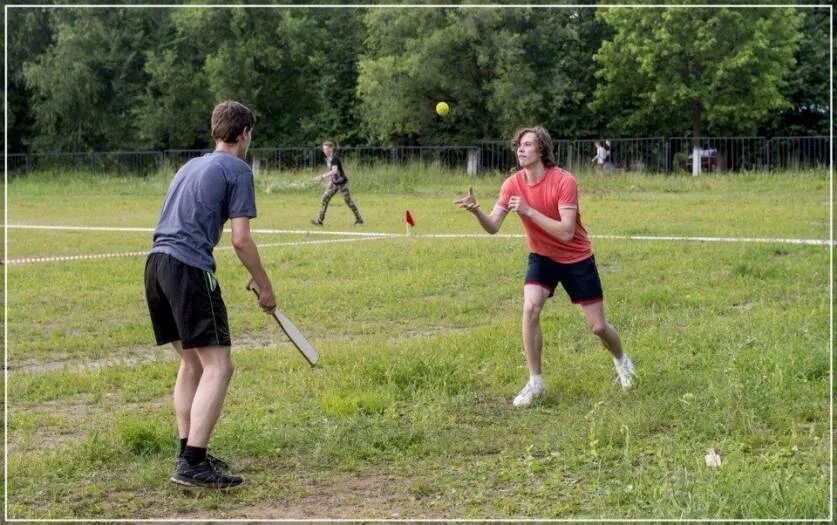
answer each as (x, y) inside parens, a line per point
(291, 331)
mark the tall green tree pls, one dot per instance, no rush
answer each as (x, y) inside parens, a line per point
(807, 87)
(86, 83)
(331, 41)
(296, 68)
(498, 68)
(30, 33)
(412, 59)
(172, 112)
(693, 70)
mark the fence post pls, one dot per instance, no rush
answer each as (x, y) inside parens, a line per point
(767, 159)
(473, 161)
(571, 145)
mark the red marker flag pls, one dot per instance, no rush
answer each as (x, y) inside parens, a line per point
(409, 220)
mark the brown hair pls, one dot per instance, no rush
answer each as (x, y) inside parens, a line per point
(545, 147)
(229, 119)
(329, 143)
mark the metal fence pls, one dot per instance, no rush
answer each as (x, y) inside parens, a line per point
(649, 155)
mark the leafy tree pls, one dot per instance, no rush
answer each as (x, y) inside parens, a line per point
(30, 33)
(412, 59)
(172, 110)
(85, 84)
(331, 41)
(807, 85)
(692, 69)
(295, 67)
(498, 68)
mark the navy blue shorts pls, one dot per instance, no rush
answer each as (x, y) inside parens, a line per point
(185, 303)
(579, 279)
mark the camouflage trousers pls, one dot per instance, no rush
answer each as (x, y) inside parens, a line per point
(347, 196)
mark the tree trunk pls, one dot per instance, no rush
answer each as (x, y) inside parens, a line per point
(696, 138)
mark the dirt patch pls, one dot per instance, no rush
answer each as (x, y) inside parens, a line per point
(129, 356)
(346, 497)
(121, 356)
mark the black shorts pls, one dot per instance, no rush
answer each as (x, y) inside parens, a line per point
(580, 279)
(185, 303)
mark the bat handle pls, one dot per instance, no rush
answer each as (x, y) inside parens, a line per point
(253, 286)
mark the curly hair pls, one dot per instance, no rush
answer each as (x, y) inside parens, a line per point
(545, 147)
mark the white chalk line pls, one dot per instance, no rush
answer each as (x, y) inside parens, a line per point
(87, 257)
(367, 236)
(811, 242)
(227, 230)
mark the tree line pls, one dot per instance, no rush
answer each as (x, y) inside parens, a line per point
(127, 78)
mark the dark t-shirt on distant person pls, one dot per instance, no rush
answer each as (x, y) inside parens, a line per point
(339, 177)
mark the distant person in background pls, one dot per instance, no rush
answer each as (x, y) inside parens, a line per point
(545, 198)
(608, 161)
(183, 295)
(599, 158)
(337, 182)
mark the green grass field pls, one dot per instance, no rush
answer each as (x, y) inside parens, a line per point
(409, 415)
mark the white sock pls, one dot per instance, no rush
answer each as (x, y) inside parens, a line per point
(535, 380)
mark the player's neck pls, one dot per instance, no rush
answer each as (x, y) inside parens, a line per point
(535, 172)
(233, 148)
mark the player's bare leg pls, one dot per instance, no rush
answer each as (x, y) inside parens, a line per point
(595, 317)
(213, 369)
(209, 396)
(594, 314)
(188, 377)
(534, 297)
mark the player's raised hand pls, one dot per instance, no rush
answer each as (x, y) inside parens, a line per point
(468, 202)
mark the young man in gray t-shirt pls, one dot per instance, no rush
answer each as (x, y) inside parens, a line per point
(184, 298)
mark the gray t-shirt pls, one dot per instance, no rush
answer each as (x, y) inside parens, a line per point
(205, 193)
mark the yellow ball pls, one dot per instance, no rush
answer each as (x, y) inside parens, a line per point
(442, 109)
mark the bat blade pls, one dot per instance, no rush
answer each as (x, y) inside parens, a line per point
(297, 338)
(290, 329)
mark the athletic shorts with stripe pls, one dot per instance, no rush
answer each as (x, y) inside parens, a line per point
(579, 279)
(185, 303)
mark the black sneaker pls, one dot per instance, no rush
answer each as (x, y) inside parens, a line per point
(218, 463)
(204, 474)
(316, 222)
(359, 222)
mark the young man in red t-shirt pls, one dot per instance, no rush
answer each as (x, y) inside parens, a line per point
(545, 198)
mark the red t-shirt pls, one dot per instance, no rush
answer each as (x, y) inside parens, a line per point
(557, 189)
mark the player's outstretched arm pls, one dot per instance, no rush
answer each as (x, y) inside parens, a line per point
(329, 173)
(248, 253)
(490, 223)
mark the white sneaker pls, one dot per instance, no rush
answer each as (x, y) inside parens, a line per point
(624, 371)
(528, 394)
